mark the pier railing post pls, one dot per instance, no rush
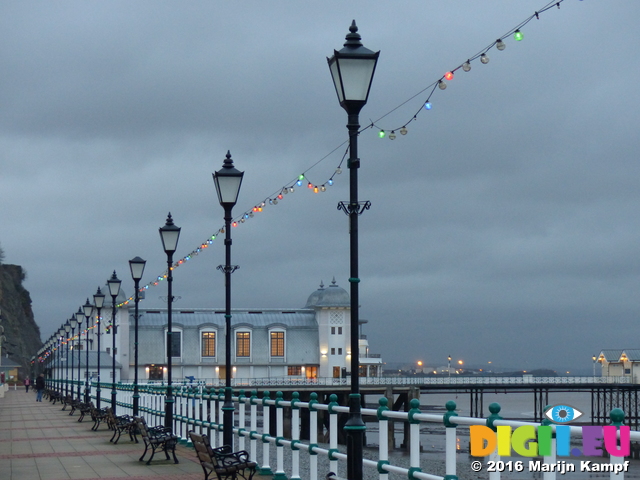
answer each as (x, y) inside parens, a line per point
(295, 437)
(551, 458)
(494, 408)
(450, 441)
(617, 420)
(383, 438)
(253, 426)
(265, 469)
(220, 418)
(414, 437)
(241, 420)
(279, 475)
(313, 436)
(333, 432)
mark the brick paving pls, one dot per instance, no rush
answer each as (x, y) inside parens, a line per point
(39, 441)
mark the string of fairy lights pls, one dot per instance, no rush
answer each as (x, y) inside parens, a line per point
(302, 181)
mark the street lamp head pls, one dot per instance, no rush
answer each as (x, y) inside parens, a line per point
(352, 70)
(67, 327)
(169, 234)
(88, 309)
(114, 285)
(227, 181)
(137, 267)
(79, 316)
(98, 298)
(74, 323)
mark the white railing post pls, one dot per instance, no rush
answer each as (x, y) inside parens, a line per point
(295, 437)
(313, 436)
(265, 469)
(333, 433)
(494, 408)
(220, 417)
(253, 426)
(451, 445)
(414, 437)
(383, 436)
(617, 420)
(241, 420)
(279, 474)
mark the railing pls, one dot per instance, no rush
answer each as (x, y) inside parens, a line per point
(200, 408)
(408, 381)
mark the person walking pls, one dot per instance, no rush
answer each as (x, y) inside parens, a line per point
(27, 382)
(39, 387)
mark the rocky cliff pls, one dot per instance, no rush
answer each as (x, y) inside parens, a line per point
(20, 329)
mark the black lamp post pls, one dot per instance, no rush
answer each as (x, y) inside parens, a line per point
(137, 269)
(67, 329)
(114, 289)
(352, 69)
(79, 319)
(98, 301)
(169, 234)
(87, 310)
(59, 337)
(74, 324)
(227, 180)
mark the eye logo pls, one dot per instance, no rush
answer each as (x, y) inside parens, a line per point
(562, 413)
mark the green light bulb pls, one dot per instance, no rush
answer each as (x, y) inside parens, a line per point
(518, 35)
(381, 134)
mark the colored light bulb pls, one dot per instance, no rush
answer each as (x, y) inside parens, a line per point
(381, 134)
(518, 35)
(448, 75)
(427, 106)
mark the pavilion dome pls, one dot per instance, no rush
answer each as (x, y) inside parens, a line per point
(333, 296)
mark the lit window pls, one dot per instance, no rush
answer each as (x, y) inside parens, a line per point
(243, 344)
(294, 371)
(277, 344)
(208, 344)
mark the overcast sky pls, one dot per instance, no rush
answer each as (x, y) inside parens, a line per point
(504, 225)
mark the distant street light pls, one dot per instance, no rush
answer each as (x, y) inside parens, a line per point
(114, 289)
(227, 181)
(87, 310)
(352, 70)
(137, 269)
(169, 234)
(98, 301)
(73, 323)
(79, 319)
(67, 329)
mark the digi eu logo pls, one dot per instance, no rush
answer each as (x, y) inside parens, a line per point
(532, 441)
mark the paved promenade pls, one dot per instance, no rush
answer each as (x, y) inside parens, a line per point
(39, 441)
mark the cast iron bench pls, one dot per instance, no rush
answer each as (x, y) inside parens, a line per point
(97, 415)
(119, 424)
(156, 438)
(226, 464)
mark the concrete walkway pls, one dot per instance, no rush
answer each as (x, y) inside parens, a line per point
(39, 441)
